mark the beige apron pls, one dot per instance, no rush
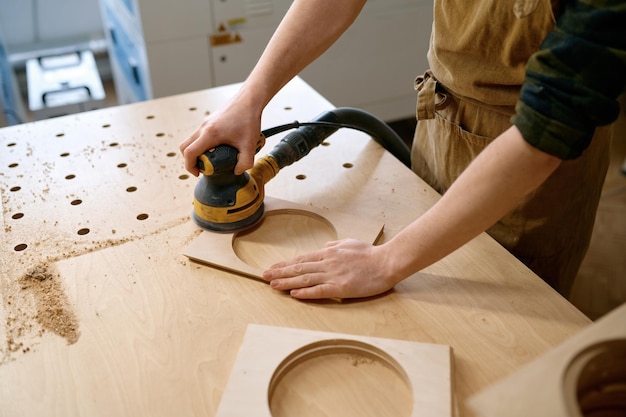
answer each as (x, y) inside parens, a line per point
(477, 55)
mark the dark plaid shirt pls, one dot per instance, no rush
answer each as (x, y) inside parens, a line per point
(573, 81)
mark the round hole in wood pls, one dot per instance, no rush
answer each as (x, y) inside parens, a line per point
(113, 144)
(348, 165)
(183, 176)
(20, 247)
(122, 165)
(281, 235)
(70, 177)
(83, 231)
(193, 108)
(594, 382)
(17, 216)
(106, 125)
(340, 377)
(76, 202)
(16, 188)
(11, 144)
(131, 189)
(150, 117)
(301, 177)
(142, 216)
(160, 134)
(13, 165)
(58, 135)
(65, 154)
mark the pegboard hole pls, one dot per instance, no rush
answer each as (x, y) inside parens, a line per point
(142, 216)
(76, 202)
(131, 189)
(11, 144)
(183, 177)
(288, 108)
(171, 154)
(113, 144)
(122, 165)
(16, 188)
(70, 177)
(150, 116)
(193, 108)
(325, 143)
(301, 177)
(60, 135)
(348, 165)
(83, 231)
(160, 134)
(64, 154)
(17, 216)
(13, 165)
(20, 247)
(105, 126)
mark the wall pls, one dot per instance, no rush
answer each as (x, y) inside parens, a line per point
(35, 24)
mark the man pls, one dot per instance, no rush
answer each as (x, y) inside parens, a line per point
(533, 180)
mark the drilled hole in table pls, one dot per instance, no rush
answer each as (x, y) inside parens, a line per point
(122, 165)
(70, 177)
(106, 125)
(13, 165)
(142, 216)
(131, 189)
(149, 117)
(183, 177)
(348, 165)
(83, 231)
(14, 189)
(301, 177)
(112, 144)
(11, 144)
(76, 202)
(288, 108)
(193, 108)
(160, 134)
(64, 154)
(325, 143)
(20, 247)
(17, 216)
(171, 154)
(59, 135)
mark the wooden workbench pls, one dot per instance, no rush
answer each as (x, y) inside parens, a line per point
(101, 314)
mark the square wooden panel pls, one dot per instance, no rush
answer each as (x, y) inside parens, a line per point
(588, 371)
(267, 353)
(287, 229)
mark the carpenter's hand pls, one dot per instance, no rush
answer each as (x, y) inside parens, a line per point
(235, 125)
(343, 269)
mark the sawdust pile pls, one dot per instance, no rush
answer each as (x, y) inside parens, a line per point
(53, 310)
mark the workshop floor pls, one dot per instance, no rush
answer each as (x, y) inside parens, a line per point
(601, 283)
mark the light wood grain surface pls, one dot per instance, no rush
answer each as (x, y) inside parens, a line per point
(103, 315)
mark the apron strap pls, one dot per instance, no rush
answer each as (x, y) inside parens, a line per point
(430, 97)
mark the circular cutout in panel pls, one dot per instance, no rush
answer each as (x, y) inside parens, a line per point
(595, 381)
(340, 377)
(282, 235)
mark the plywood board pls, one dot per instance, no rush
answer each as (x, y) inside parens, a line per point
(551, 385)
(268, 354)
(287, 229)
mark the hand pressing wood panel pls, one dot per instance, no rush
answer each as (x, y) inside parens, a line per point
(286, 231)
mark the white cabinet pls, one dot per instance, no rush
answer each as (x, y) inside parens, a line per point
(160, 48)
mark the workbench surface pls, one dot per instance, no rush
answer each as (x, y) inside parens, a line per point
(101, 313)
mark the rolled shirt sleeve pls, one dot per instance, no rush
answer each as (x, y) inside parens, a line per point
(573, 82)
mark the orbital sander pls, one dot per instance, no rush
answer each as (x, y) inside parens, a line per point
(226, 202)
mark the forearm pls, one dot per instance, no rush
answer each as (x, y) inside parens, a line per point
(308, 29)
(505, 172)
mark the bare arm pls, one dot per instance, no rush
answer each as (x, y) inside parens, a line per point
(308, 29)
(492, 185)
